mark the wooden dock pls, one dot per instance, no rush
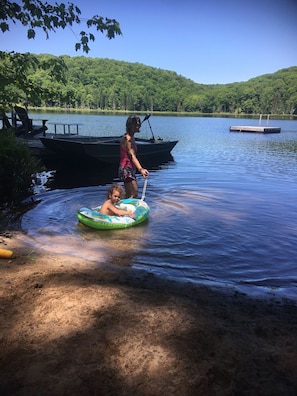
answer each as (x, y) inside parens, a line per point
(256, 129)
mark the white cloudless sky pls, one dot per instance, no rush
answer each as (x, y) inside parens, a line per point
(209, 42)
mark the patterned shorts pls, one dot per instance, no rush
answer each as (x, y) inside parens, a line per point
(126, 175)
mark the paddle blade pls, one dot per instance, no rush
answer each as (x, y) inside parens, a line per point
(146, 117)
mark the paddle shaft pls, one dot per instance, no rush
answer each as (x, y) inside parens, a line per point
(151, 129)
(146, 118)
(144, 189)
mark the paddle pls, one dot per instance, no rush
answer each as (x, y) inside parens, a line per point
(146, 118)
(144, 188)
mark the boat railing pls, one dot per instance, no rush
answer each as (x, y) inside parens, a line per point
(67, 127)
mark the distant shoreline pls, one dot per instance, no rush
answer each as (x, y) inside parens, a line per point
(160, 113)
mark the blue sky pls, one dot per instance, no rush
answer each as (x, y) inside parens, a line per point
(210, 41)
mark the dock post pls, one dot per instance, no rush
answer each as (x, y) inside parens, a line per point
(260, 120)
(267, 121)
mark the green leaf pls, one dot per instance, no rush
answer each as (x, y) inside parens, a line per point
(31, 34)
(4, 27)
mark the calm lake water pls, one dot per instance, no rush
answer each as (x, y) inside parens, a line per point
(223, 211)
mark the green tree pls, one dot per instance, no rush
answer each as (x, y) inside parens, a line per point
(35, 15)
(22, 79)
(16, 169)
(16, 83)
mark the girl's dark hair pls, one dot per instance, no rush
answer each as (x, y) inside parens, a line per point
(131, 121)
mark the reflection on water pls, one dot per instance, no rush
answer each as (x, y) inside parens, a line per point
(92, 173)
(222, 213)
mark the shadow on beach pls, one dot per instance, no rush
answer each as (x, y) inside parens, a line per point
(71, 327)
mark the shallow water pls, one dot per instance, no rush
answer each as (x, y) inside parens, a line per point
(223, 212)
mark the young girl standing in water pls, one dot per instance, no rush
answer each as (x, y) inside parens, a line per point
(129, 162)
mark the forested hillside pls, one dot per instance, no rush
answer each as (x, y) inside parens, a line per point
(105, 84)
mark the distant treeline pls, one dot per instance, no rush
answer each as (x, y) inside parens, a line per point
(104, 84)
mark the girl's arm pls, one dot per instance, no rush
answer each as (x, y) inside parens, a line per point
(135, 160)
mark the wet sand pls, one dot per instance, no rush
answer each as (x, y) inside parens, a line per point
(73, 327)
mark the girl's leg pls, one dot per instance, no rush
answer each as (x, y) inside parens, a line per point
(131, 189)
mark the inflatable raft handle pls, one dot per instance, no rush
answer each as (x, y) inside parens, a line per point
(144, 188)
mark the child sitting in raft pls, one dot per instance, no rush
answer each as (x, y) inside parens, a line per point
(114, 195)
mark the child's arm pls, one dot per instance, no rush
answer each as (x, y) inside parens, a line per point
(109, 209)
(121, 212)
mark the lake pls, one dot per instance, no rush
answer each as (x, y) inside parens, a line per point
(223, 211)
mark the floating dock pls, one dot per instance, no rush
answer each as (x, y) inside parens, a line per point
(256, 129)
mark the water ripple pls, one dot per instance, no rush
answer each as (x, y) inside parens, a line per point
(223, 213)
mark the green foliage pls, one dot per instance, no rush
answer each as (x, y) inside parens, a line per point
(16, 169)
(36, 14)
(113, 85)
(105, 84)
(16, 84)
(16, 77)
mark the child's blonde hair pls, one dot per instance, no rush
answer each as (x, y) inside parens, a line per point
(116, 187)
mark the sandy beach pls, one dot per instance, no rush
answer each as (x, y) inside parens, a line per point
(73, 327)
